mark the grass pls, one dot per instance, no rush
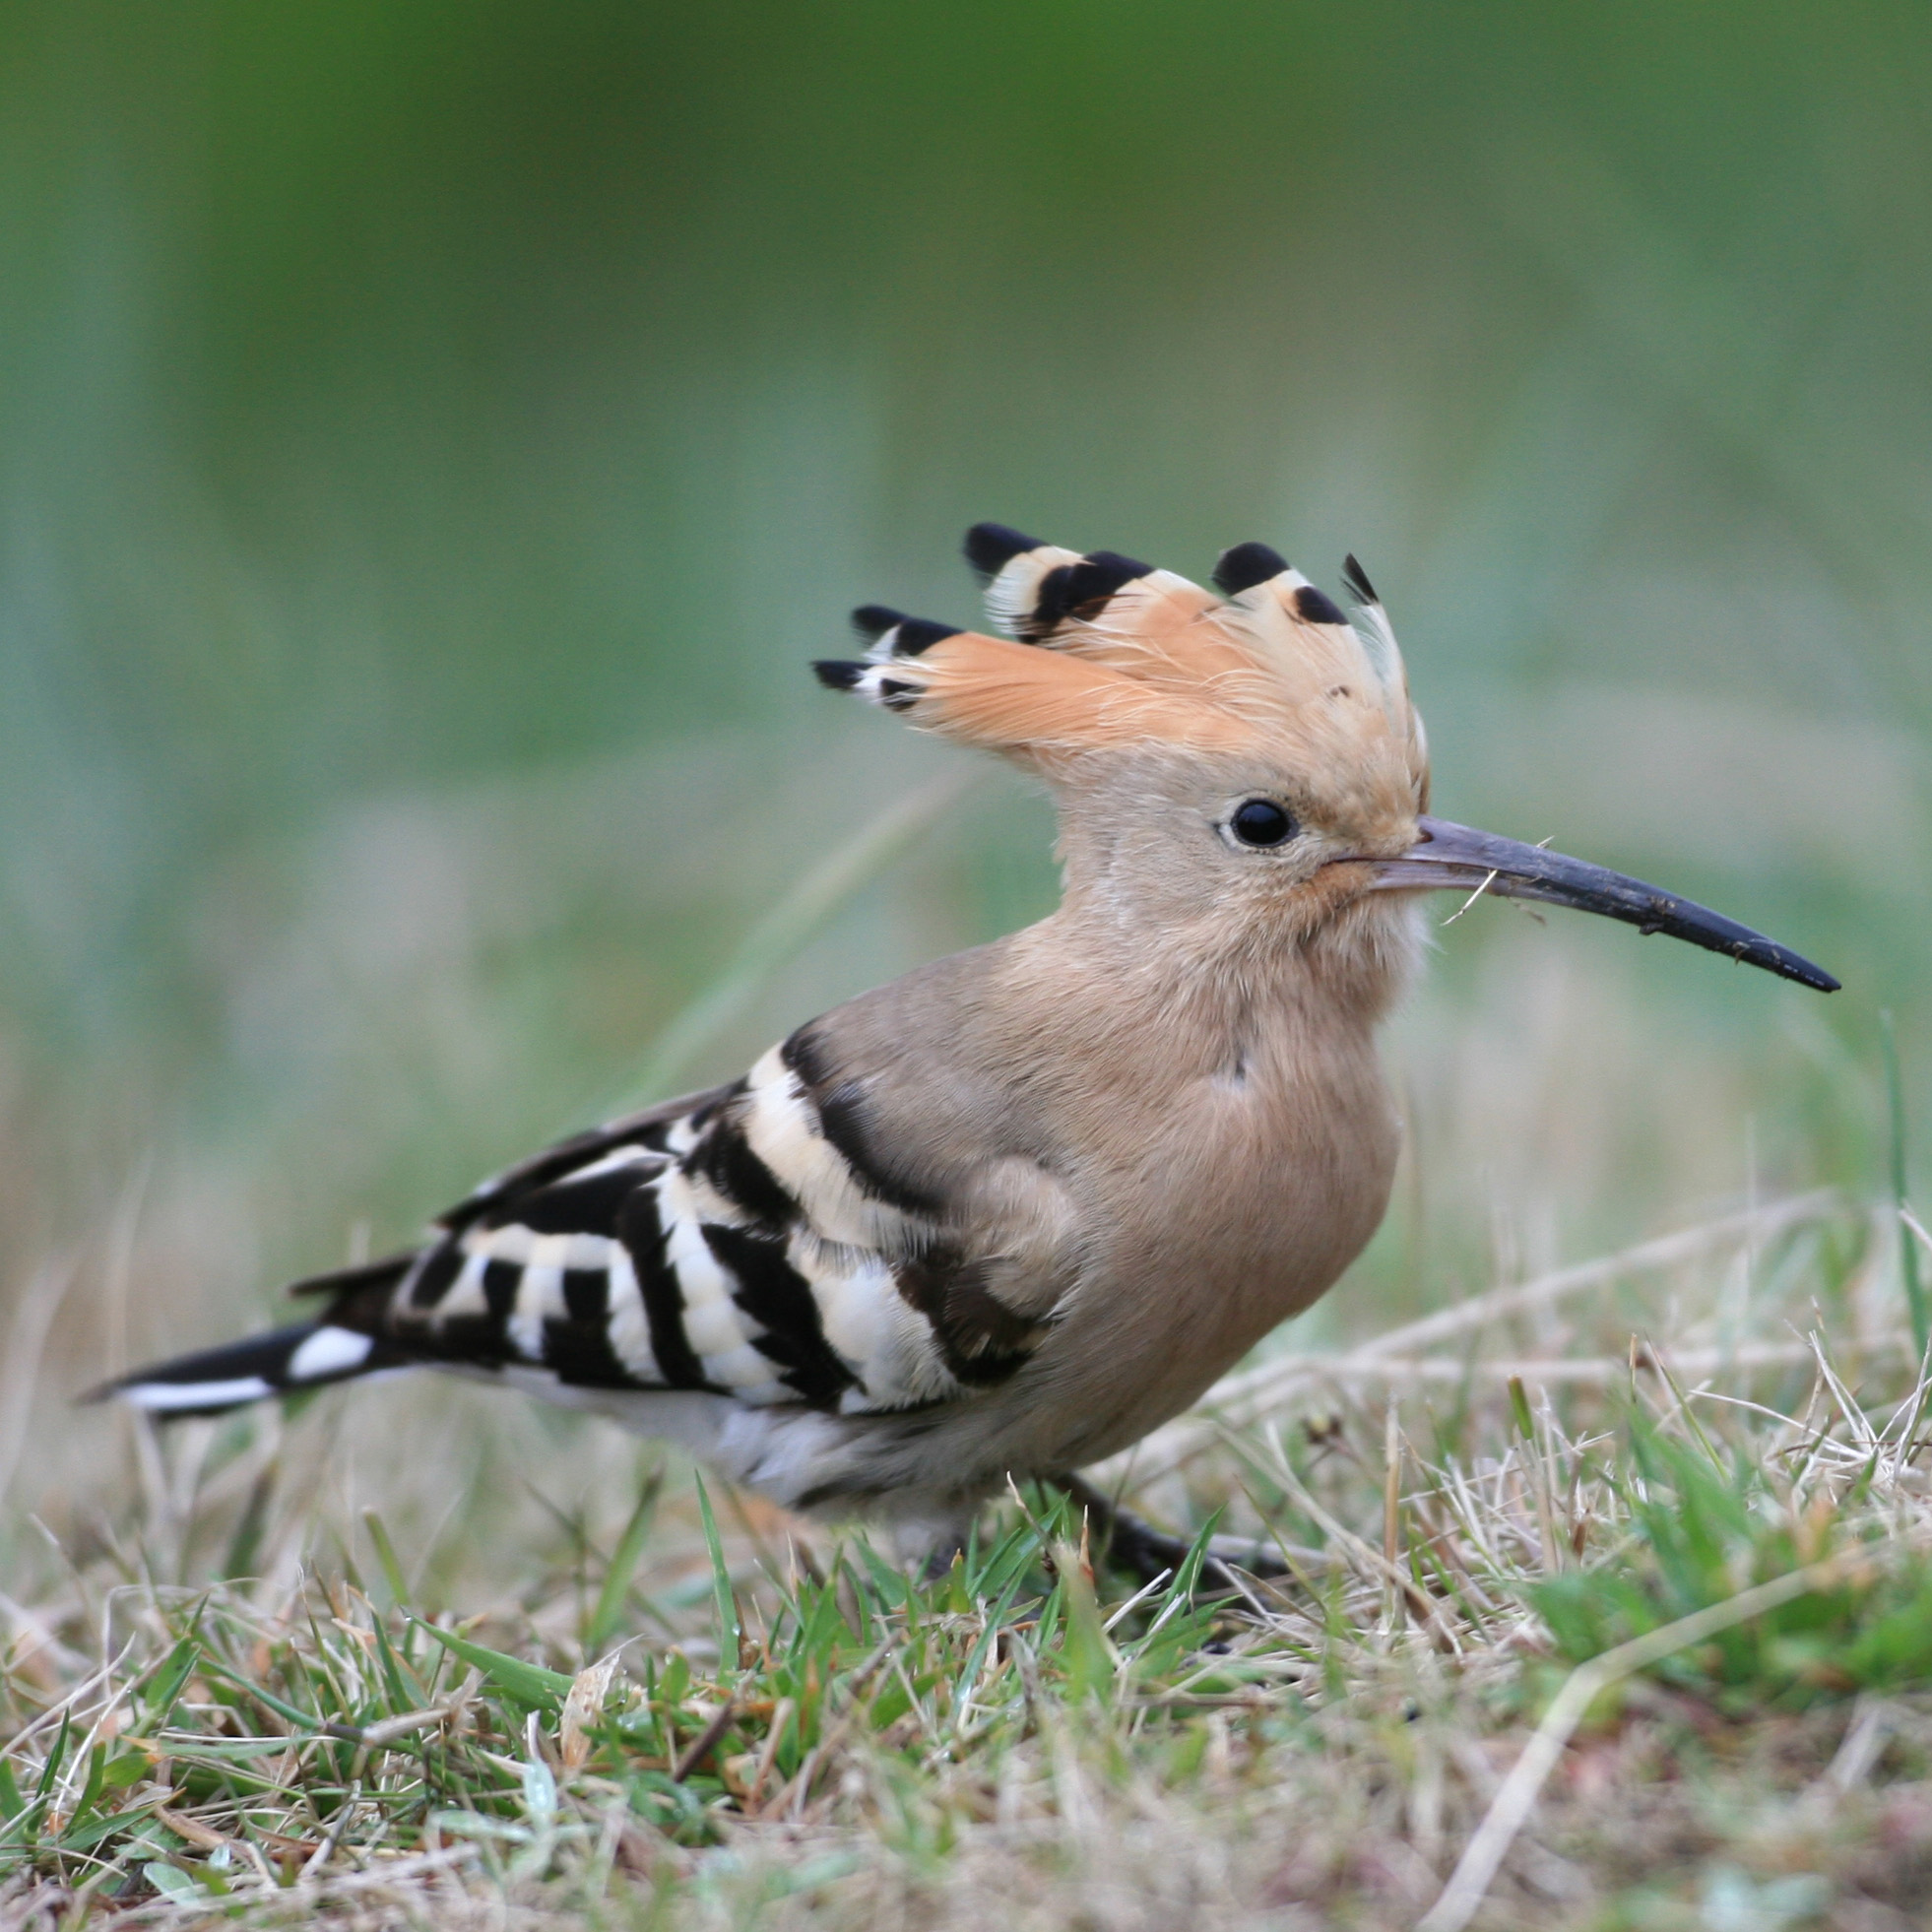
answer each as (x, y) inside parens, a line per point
(229, 1701)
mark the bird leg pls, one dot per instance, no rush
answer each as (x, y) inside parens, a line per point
(937, 1563)
(1134, 1545)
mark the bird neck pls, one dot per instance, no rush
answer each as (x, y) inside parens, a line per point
(1207, 1001)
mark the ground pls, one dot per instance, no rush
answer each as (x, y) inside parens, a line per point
(706, 1713)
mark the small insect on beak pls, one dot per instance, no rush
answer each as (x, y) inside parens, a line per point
(1448, 857)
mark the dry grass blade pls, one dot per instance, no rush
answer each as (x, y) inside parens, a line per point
(410, 1724)
(703, 1744)
(1483, 1856)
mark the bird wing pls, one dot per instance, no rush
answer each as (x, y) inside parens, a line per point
(743, 1242)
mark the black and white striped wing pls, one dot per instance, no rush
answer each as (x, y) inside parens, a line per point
(727, 1245)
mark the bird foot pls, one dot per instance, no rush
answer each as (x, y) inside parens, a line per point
(1131, 1543)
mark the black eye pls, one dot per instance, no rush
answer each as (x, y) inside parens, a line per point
(1260, 821)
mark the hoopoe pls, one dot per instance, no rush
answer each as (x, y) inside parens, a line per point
(1005, 1215)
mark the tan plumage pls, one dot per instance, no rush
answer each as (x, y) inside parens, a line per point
(1011, 1211)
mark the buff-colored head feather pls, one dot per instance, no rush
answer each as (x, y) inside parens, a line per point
(1112, 656)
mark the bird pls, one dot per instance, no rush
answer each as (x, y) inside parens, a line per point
(995, 1220)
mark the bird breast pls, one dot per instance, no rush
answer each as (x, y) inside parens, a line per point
(1233, 1204)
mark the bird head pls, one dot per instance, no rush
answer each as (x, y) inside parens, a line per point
(1239, 771)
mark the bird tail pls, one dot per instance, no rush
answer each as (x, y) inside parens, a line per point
(347, 1342)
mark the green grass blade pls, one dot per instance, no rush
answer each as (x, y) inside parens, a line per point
(166, 1687)
(400, 1692)
(52, 1768)
(996, 1621)
(528, 1684)
(729, 1636)
(607, 1613)
(386, 1558)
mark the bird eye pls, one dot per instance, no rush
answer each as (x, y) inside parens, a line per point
(1260, 821)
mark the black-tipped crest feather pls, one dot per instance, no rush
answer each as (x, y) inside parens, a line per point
(917, 634)
(991, 547)
(1080, 590)
(1245, 565)
(1317, 606)
(874, 620)
(896, 632)
(1355, 580)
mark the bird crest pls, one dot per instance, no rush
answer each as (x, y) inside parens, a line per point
(1105, 655)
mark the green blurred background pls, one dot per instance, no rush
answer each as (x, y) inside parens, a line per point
(434, 438)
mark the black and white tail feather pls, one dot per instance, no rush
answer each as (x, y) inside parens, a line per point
(284, 1362)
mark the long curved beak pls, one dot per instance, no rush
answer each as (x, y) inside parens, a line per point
(1459, 857)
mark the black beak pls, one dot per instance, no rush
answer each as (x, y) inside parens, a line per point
(1459, 857)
